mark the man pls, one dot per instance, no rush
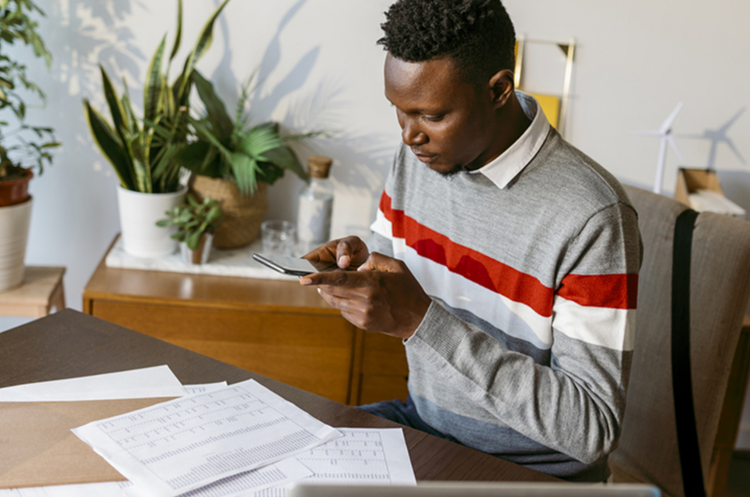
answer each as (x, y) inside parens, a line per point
(506, 259)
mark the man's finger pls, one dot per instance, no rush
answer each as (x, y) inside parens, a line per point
(337, 278)
(380, 262)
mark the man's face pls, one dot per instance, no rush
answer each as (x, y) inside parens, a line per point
(445, 120)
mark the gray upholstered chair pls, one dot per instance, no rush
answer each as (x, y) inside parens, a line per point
(720, 286)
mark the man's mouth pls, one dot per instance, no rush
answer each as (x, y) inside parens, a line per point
(421, 156)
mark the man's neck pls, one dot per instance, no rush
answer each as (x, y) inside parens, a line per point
(511, 122)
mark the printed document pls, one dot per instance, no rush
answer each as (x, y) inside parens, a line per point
(184, 444)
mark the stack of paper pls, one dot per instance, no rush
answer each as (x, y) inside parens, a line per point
(218, 441)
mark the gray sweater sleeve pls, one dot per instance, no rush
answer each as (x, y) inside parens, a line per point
(380, 244)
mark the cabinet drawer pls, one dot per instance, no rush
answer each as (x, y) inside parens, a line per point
(311, 352)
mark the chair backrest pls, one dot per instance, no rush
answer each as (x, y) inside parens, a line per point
(719, 291)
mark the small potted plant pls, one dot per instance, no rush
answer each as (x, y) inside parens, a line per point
(233, 162)
(143, 151)
(22, 147)
(195, 222)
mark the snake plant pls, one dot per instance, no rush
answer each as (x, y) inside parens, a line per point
(143, 151)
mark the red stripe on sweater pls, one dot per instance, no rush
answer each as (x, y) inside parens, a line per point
(472, 265)
(614, 291)
(609, 291)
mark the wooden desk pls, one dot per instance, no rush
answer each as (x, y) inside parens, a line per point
(276, 328)
(68, 344)
(42, 289)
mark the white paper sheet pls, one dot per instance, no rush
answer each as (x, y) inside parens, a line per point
(364, 456)
(281, 473)
(184, 444)
(204, 387)
(146, 383)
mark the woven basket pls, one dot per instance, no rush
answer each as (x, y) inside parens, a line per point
(241, 218)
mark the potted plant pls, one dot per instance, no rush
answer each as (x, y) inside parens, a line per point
(22, 146)
(143, 154)
(234, 162)
(195, 222)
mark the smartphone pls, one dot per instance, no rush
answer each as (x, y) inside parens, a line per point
(292, 266)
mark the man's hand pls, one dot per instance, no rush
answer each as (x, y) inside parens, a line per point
(382, 295)
(348, 253)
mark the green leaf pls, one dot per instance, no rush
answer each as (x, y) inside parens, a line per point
(178, 35)
(193, 240)
(217, 112)
(259, 140)
(152, 90)
(201, 46)
(110, 146)
(194, 155)
(115, 107)
(244, 169)
(286, 158)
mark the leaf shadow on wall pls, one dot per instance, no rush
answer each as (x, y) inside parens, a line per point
(88, 33)
(360, 159)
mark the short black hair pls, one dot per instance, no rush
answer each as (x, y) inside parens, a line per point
(477, 34)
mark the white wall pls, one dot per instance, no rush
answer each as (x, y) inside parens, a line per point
(321, 69)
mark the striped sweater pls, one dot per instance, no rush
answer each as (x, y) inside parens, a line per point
(526, 347)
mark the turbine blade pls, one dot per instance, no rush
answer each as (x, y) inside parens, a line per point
(729, 123)
(668, 123)
(730, 144)
(672, 144)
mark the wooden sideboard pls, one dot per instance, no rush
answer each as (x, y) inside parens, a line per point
(278, 329)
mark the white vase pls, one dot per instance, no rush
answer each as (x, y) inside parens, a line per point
(139, 212)
(14, 232)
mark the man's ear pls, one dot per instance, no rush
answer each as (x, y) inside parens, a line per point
(501, 87)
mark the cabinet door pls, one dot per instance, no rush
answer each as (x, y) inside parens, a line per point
(384, 369)
(311, 352)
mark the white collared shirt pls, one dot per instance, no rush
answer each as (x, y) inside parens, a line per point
(507, 165)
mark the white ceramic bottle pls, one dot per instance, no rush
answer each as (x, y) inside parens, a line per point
(315, 206)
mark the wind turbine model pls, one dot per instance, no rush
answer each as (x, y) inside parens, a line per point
(665, 133)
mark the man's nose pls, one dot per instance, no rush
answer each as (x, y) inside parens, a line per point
(412, 136)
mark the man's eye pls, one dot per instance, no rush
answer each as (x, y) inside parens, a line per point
(434, 119)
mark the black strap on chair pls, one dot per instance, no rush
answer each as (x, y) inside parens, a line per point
(682, 384)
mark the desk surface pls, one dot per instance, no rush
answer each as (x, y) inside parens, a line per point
(70, 344)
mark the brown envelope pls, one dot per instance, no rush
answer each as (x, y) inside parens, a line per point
(37, 447)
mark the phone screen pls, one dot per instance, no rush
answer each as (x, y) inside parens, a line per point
(291, 265)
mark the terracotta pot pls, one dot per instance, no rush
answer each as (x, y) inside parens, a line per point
(241, 216)
(15, 191)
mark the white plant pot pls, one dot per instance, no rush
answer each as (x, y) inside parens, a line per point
(14, 232)
(139, 212)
